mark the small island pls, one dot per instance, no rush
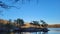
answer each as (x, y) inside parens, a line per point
(19, 25)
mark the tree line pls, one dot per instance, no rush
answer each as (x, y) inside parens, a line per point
(20, 22)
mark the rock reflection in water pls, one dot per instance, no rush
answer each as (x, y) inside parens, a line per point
(31, 33)
(44, 32)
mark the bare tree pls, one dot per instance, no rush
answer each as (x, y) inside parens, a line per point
(16, 0)
(3, 5)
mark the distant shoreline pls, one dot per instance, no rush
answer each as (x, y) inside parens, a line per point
(54, 26)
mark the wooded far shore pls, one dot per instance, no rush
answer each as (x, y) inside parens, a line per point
(54, 26)
(5, 22)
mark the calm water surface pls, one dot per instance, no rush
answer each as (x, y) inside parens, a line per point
(52, 31)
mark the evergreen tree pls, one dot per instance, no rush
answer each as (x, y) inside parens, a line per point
(20, 21)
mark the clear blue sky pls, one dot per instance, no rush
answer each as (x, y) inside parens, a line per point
(47, 10)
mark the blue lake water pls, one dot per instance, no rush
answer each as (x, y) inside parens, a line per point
(52, 31)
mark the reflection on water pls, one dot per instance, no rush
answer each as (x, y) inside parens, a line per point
(56, 31)
(45, 33)
(52, 31)
(31, 33)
